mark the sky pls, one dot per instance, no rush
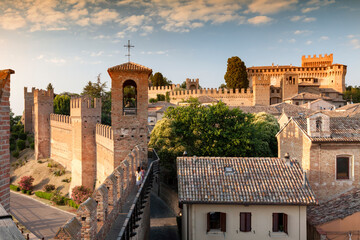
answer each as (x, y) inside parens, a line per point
(69, 42)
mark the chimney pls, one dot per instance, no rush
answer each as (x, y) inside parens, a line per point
(287, 160)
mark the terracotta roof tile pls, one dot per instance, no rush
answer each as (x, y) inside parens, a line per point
(342, 129)
(251, 181)
(129, 66)
(336, 208)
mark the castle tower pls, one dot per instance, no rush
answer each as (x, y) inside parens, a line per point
(261, 90)
(192, 84)
(43, 106)
(28, 111)
(85, 114)
(315, 61)
(129, 113)
(289, 85)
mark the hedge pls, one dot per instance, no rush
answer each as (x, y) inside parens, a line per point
(14, 188)
(44, 195)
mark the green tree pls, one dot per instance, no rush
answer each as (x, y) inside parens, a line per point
(98, 90)
(183, 85)
(49, 87)
(212, 131)
(158, 80)
(62, 104)
(236, 75)
(352, 94)
(223, 85)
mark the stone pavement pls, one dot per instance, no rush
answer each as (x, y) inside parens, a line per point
(162, 220)
(40, 219)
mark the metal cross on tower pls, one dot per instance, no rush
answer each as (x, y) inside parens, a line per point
(128, 46)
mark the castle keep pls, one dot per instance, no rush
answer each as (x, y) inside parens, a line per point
(272, 84)
(90, 150)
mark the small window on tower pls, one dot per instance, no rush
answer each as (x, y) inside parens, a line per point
(318, 125)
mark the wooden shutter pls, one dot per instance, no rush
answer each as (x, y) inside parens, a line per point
(275, 222)
(242, 222)
(223, 222)
(208, 223)
(245, 222)
(285, 221)
(248, 222)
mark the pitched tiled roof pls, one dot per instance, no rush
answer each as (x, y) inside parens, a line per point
(342, 129)
(307, 96)
(277, 109)
(336, 208)
(253, 181)
(207, 99)
(129, 66)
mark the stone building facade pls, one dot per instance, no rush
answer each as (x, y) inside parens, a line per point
(317, 75)
(90, 150)
(327, 148)
(5, 138)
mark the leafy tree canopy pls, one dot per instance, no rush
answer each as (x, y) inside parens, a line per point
(62, 104)
(236, 75)
(213, 131)
(352, 94)
(159, 80)
(49, 87)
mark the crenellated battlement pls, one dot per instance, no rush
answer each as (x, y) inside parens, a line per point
(85, 102)
(60, 118)
(189, 80)
(29, 94)
(314, 61)
(44, 96)
(213, 92)
(163, 88)
(105, 131)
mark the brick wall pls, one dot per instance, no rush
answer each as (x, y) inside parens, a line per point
(4, 138)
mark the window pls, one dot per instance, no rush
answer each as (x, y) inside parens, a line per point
(245, 222)
(342, 167)
(280, 222)
(216, 221)
(318, 124)
(129, 98)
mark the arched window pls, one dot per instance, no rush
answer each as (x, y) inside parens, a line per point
(129, 98)
(318, 125)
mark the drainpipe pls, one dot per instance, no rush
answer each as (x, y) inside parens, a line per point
(187, 222)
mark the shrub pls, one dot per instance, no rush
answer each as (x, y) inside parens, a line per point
(12, 147)
(160, 97)
(30, 139)
(57, 198)
(20, 144)
(32, 145)
(44, 195)
(67, 180)
(14, 135)
(22, 136)
(59, 172)
(23, 191)
(26, 183)
(80, 194)
(29, 192)
(16, 154)
(49, 187)
(152, 100)
(14, 188)
(71, 203)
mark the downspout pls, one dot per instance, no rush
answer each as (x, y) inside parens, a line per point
(187, 222)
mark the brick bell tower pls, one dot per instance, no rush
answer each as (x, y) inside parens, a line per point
(129, 113)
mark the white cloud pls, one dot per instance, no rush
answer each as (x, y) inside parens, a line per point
(96, 54)
(297, 18)
(259, 20)
(320, 2)
(355, 43)
(12, 20)
(155, 53)
(293, 40)
(308, 42)
(350, 36)
(271, 6)
(324, 38)
(302, 32)
(309, 9)
(103, 16)
(309, 19)
(40, 57)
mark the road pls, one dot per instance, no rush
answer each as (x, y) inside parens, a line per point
(40, 219)
(162, 220)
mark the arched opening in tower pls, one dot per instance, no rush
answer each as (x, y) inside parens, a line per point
(129, 97)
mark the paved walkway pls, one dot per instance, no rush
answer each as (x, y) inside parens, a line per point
(40, 219)
(162, 220)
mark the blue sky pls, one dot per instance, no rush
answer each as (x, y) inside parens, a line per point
(69, 42)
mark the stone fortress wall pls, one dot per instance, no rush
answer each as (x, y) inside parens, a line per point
(79, 142)
(318, 72)
(5, 138)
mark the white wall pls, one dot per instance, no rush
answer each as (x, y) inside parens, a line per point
(261, 222)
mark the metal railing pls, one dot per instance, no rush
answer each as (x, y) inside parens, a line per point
(136, 210)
